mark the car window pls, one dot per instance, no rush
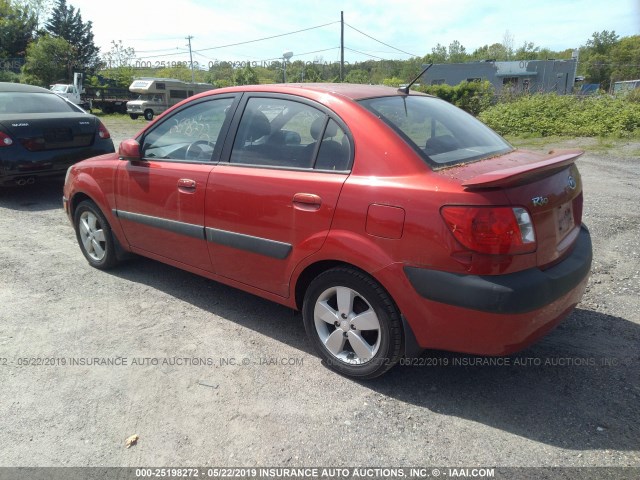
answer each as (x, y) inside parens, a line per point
(23, 102)
(334, 151)
(443, 134)
(279, 133)
(190, 134)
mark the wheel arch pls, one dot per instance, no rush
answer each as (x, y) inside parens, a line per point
(87, 189)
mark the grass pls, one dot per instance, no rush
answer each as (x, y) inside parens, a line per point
(589, 144)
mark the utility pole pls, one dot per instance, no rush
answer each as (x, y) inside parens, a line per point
(193, 78)
(341, 44)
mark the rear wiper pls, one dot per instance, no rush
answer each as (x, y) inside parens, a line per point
(405, 90)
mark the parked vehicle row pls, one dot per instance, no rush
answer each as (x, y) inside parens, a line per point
(42, 134)
(393, 220)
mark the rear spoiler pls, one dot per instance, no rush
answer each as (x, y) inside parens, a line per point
(514, 175)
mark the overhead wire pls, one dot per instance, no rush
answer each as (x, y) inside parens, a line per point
(380, 41)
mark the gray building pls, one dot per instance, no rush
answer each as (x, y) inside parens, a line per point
(518, 76)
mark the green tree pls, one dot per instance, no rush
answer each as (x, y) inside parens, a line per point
(528, 51)
(17, 27)
(245, 76)
(439, 54)
(457, 52)
(595, 58)
(118, 63)
(392, 82)
(66, 22)
(602, 42)
(625, 59)
(357, 76)
(221, 74)
(49, 60)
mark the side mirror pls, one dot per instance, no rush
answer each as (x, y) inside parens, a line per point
(129, 150)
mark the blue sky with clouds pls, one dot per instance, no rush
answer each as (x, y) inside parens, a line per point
(157, 30)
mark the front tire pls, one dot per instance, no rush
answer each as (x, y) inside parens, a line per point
(353, 323)
(94, 236)
(148, 115)
(134, 116)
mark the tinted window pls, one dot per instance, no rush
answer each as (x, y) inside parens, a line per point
(177, 93)
(276, 132)
(441, 133)
(21, 102)
(190, 134)
(334, 151)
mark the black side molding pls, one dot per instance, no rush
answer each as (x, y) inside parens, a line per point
(261, 246)
(188, 229)
(507, 294)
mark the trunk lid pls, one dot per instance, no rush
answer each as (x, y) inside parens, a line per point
(51, 131)
(547, 185)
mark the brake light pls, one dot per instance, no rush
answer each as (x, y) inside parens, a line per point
(491, 230)
(102, 131)
(5, 140)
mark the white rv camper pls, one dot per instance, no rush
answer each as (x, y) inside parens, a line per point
(158, 94)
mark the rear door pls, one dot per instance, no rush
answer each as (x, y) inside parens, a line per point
(271, 204)
(160, 199)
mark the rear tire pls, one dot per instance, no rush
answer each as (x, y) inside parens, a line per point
(353, 323)
(94, 236)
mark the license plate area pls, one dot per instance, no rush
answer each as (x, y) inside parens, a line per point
(564, 220)
(57, 135)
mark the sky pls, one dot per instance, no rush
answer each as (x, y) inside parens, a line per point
(157, 30)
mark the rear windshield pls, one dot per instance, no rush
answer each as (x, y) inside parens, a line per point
(442, 134)
(22, 102)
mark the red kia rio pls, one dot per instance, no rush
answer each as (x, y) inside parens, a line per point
(394, 221)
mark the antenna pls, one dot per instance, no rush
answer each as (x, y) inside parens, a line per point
(405, 90)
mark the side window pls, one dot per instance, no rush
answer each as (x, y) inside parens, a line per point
(190, 134)
(334, 151)
(278, 133)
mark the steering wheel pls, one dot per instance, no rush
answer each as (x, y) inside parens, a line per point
(195, 150)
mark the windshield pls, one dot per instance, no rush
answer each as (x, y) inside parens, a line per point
(59, 88)
(443, 134)
(22, 102)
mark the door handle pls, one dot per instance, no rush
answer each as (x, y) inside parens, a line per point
(187, 184)
(307, 201)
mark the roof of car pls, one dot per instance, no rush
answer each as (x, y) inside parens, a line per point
(21, 87)
(349, 90)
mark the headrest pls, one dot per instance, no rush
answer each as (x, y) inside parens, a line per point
(318, 125)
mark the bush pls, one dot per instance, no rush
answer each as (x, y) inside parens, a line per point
(551, 114)
(474, 97)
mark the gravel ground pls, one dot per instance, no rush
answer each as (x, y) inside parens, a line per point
(215, 376)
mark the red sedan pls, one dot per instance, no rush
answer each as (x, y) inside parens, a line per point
(393, 220)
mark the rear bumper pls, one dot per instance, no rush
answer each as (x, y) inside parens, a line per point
(493, 315)
(514, 293)
(18, 167)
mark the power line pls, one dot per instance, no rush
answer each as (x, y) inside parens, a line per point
(269, 59)
(241, 43)
(265, 38)
(380, 41)
(363, 53)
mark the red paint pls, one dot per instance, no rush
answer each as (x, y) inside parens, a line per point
(382, 216)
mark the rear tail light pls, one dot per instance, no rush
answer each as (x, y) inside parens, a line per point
(491, 230)
(102, 131)
(5, 140)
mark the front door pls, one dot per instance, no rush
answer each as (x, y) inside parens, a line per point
(160, 199)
